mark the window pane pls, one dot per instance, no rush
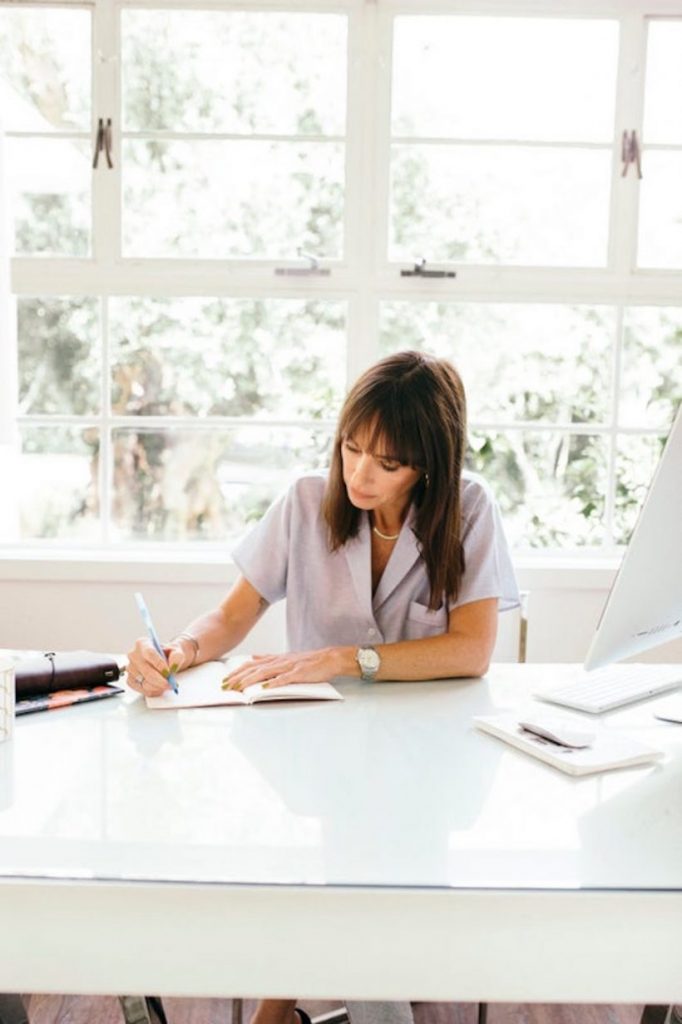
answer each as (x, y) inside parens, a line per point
(59, 356)
(636, 460)
(57, 483)
(234, 71)
(205, 485)
(45, 69)
(550, 363)
(652, 367)
(50, 187)
(238, 357)
(662, 111)
(218, 200)
(505, 78)
(550, 486)
(660, 211)
(500, 205)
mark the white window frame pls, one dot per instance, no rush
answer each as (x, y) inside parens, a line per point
(364, 277)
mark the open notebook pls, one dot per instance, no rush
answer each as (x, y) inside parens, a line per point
(201, 687)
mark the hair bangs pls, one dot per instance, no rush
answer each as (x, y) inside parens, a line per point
(389, 428)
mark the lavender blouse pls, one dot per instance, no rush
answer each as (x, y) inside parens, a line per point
(329, 595)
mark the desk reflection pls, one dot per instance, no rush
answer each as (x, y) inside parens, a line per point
(388, 781)
(365, 791)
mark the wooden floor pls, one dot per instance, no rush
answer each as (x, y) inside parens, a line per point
(105, 1010)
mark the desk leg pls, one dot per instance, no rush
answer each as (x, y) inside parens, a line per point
(142, 1010)
(12, 1010)
(654, 1015)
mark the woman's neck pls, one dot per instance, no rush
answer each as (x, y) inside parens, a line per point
(388, 525)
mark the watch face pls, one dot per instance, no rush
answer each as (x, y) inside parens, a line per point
(369, 659)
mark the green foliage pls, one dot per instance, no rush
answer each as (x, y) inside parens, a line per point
(52, 225)
(59, 353)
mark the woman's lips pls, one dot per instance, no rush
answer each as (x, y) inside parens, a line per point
(359, 495)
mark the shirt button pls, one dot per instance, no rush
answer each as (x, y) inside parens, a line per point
(371, 632)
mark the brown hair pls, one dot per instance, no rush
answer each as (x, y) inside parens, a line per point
(414, 405)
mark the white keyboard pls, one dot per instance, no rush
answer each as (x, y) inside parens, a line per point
(612, 687)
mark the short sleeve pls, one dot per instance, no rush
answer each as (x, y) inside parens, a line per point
(262, 556)
(488, 569)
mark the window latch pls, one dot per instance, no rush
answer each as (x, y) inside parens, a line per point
(103, 142)
(419, 270)
(312, 270)
(631, 154)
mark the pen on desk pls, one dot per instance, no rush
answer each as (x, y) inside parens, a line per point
(147, 619)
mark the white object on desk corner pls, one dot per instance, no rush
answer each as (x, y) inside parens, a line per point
(609, 749)
(6, 698)
(670, 710)
(566, 730)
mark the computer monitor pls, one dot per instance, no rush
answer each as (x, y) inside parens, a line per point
(644, 606)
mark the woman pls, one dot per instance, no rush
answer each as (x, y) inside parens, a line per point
(394, 566)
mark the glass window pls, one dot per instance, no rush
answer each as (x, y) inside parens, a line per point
(281, 359)
(550, 484)
(652, 367)
(234, 71)
(181, 485)
(45, 69)
(278, 365)
(50, 193)
(504, 78)
(225, 200)
(543, 363)
(60, 368)
(167, 402)
(660, 212)
(45, 86)
(238, 76)
(636, 460)
(529, 365)
(57, 483)
(662, 112)
(470, 204)
(544, 131)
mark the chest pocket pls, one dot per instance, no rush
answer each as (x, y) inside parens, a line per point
(421, 622)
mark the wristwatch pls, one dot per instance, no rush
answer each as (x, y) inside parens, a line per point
(369, 661)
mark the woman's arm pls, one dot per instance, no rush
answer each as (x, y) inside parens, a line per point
(464, 650)
(215, 632)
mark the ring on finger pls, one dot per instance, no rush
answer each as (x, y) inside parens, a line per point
(139, 680)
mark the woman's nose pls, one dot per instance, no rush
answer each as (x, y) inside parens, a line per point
(363, 468)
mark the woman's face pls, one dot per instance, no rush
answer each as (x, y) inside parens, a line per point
(375, 479)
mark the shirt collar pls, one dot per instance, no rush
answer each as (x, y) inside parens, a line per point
(359, 557)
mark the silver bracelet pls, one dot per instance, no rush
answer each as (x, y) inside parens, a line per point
(194, 642)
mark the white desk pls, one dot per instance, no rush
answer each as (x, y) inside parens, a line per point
(378, 847)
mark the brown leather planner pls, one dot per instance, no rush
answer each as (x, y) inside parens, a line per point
(63, 670)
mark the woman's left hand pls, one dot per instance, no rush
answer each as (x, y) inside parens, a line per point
(282, 669)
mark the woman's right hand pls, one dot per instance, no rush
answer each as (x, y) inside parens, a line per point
(147, 672)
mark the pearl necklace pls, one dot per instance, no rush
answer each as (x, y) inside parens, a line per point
(386, 536)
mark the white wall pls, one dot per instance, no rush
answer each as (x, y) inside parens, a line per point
(89, 603)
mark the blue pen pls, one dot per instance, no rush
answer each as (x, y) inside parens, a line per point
(147, 619)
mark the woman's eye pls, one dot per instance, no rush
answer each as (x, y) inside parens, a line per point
(390, 467)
